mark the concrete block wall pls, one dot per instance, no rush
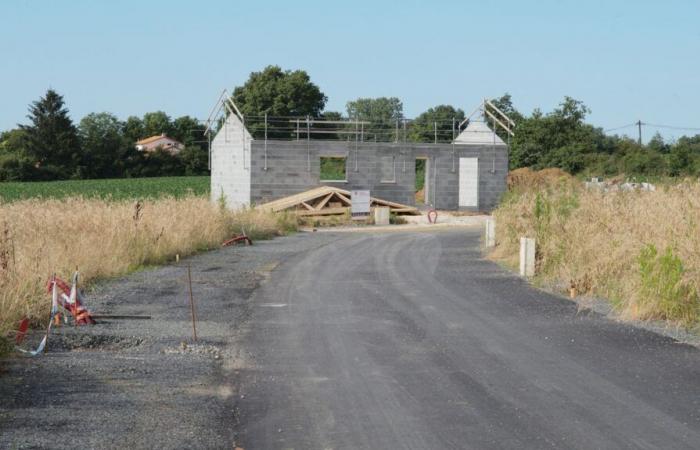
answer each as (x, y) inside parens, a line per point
(230, 164)
(386, 169)
(444, 174)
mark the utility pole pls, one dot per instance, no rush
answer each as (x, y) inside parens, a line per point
(639, 125)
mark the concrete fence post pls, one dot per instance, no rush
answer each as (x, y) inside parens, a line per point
(527, 257)
(490, 238)
(381, 215)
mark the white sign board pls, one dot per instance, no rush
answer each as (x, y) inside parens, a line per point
(360, 204)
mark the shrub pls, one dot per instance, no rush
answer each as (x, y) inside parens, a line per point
(664, 293)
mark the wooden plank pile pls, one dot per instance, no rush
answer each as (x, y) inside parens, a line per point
(328, 200)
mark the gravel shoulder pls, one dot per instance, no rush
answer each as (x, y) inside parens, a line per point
(144, 383)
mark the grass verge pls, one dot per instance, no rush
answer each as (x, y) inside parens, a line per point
(106, 238)
(640, 250)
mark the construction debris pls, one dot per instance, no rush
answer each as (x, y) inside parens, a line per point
(236, 239)
(328, 200)
(609, 186)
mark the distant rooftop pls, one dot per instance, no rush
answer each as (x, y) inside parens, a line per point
(155, 138)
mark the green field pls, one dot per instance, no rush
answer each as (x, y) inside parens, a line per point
(118, 189)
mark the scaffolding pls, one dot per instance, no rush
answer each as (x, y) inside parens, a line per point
(398, 129)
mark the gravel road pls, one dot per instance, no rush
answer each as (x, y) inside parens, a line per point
(353, 340)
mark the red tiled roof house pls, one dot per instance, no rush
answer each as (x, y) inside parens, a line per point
(161, 141)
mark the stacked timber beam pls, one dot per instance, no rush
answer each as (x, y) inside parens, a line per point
(328, 200)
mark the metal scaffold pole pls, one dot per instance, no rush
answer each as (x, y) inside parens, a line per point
(356, 137)
(265, 166)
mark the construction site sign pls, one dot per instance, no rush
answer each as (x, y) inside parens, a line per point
(360, 201)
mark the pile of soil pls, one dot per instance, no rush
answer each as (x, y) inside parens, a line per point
(526, 178)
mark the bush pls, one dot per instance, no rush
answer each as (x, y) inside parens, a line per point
(664, 293)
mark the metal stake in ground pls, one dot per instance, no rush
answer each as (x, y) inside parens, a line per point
(194, 316)
(48, 328)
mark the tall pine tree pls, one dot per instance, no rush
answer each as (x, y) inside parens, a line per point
(52, 139)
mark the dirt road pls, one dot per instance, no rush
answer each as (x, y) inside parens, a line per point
(354, 340)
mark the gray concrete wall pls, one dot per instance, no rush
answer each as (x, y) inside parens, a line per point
(230, 165)
(386, 169)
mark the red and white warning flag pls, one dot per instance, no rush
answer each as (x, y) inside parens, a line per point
(72, 300)
(54, 311)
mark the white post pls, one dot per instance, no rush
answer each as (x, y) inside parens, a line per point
(381, 215)
(527, 257)
(490, 238)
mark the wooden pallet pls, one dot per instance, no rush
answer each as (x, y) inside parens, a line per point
(328, 200)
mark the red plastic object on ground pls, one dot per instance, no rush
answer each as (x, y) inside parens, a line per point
(236, 239)
(434, 218)
(22, 330)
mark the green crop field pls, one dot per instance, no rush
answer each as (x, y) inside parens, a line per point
(117, 189)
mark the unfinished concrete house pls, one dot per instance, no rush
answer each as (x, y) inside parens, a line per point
(461, 166)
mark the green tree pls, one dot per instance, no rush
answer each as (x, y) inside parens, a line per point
(103, 145)
(681, 161)
(335, 129)
(657, 144)
(157, 163)
(383, 115)
(692, 143)
(280, 94)
(643, 162)
(189, 131)
(15, 165)
(505, 104)
(52, 139)
(445, 118)
(194, 160)
(156, 123)
(560, 138)
(134, 130)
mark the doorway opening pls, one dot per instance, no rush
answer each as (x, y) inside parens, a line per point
(421, 189)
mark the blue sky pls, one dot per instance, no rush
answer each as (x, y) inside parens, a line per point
(625, 60)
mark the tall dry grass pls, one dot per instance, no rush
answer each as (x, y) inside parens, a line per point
(640, 250)
(104, 238)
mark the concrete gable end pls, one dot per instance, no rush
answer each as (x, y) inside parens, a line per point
(230, 164)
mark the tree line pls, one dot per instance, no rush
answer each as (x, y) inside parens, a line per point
(50, 146)
(563, 139)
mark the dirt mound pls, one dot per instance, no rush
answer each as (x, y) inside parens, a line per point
(527, 178)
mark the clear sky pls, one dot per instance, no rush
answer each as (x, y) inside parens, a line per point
(626, 60)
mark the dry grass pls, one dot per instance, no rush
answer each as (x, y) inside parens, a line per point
(640, 250)
(105, 238)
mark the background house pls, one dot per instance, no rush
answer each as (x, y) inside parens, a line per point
(160, 141)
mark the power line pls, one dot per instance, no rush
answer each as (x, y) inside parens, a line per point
(620, 128)
(672, 127)
(639, 124)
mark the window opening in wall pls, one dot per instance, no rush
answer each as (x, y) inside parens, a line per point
(333, 168)
(388, 168)
(421, 164)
